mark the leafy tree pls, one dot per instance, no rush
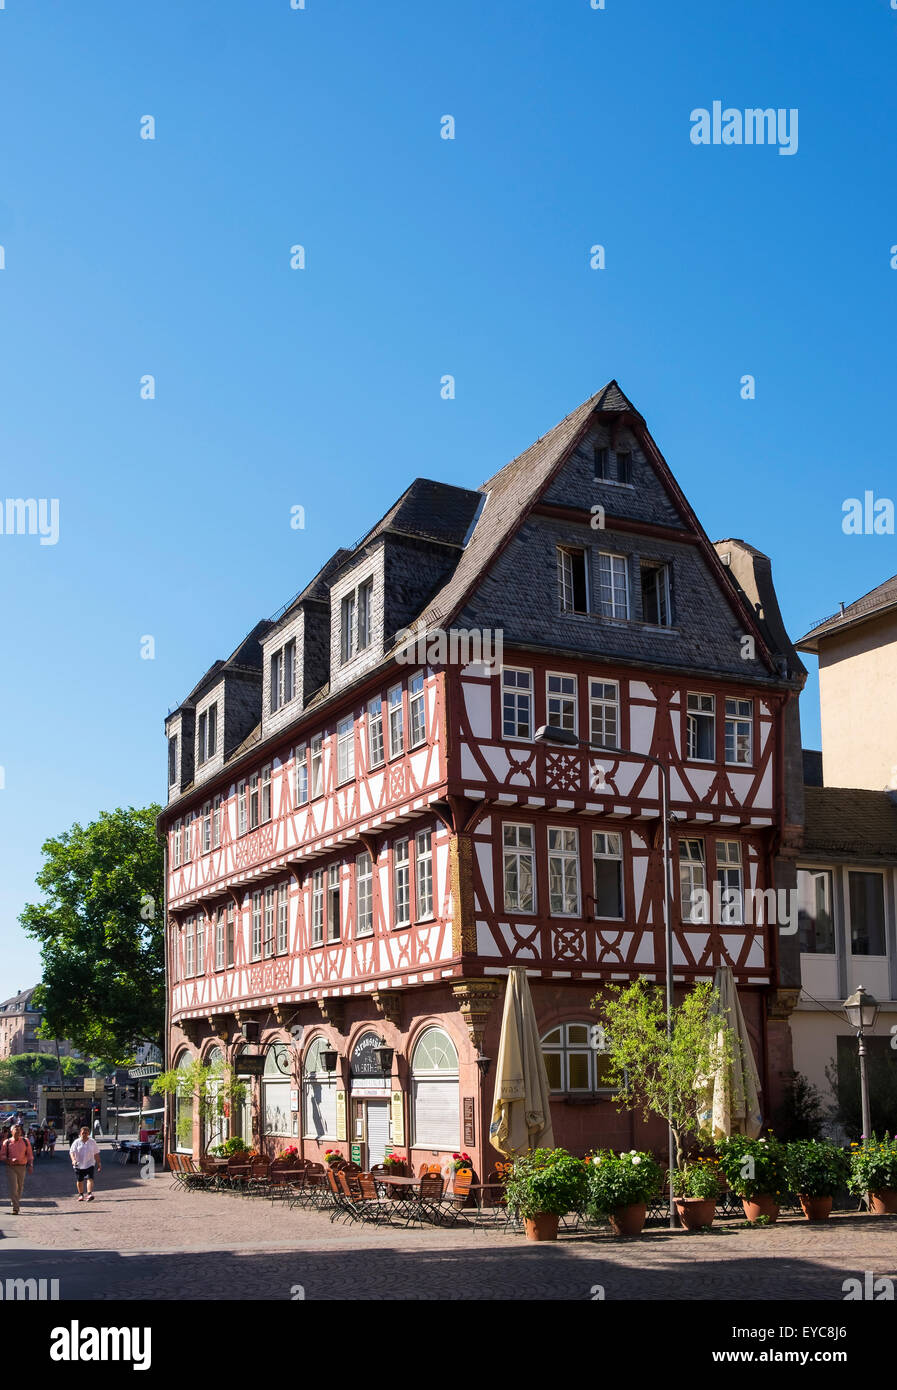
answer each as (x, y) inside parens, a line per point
(663, 1075)
(101, 932)
(213, 1089)
(24, 1068)
(843, 1076)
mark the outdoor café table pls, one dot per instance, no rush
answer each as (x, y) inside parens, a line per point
(405, 1185)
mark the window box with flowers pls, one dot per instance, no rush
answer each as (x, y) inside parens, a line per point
(333, 1156)
(620, 1188)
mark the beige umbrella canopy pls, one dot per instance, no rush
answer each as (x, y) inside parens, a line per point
(733, 1102)
(521, 1113)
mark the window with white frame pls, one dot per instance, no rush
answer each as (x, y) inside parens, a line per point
(816, 924)
(172, 760)
(866, 900)
(216, 821)
(563, 871)
(175, 955)
(277, 1082)
(219, 939)
(700, 724)
(317, 907)
(254, 787)
(229, 936)
(282, 676)
(612, 465)
(206, 827)
(176, 844)
(423, 865)
(257, 924)
(269, 923)
(266, 793)
(401, 883)
(435, 1092)
(516, 703)
(348, 630)
(576, 1058)
(317, 765)
(739, 731)
(345, 750)
(364, 895)
(613, 585)
(283, 918)
(519, 866)
(189, 938)
(207, 735)
(396, 721)
(607, 862)
(375, 731)
(573, 585)
(365, 613)
(200, 943)
(417, 723)
(656, 606)
(300, 775)
(604, 712)
(692, 880)
(560, 693)
(241, 807)
(334, 921)
(188, 838)
(729, 878)
(356, 615)
(320, 1089)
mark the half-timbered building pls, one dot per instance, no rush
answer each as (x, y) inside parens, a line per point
(364, 834)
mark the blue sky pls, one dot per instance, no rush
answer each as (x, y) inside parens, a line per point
(320, 388)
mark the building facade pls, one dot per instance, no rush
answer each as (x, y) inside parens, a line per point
(364, 833)
(20, 1018)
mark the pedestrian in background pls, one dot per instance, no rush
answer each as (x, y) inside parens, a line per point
(19, 1158)
(51, 1141)
(85, 1156)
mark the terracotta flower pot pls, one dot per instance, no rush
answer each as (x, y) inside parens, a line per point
(628, 1221)
(763, 1204)
(815, 1208)
(696, 1212)
(884, 1203)
(542, 1226)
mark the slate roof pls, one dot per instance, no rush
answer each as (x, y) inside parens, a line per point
(846, 822)
(246, 657)
(878, 600)
(429, 511)
(19, 1003)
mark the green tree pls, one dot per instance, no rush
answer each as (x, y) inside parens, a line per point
(24, 1068)
(101, 932)
(661, 1075)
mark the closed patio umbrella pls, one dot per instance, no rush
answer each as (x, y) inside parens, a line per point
(521, 1114)
(733, 1090)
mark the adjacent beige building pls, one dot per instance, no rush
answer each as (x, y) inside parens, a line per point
(857, 651)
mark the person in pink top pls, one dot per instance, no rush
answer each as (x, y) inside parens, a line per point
(18, 1156)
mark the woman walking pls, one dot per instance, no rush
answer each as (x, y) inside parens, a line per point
(19, 1158)
(85, 1156)
(51, 1141)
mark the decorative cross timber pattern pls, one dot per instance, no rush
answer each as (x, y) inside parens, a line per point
(598, 777)
(397, 782)
(569, 944)
(563, 771)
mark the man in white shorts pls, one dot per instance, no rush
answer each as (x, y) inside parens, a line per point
(85, 1156)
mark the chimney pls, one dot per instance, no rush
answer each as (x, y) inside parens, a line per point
(842, 608)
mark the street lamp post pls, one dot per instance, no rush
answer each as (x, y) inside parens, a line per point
(861, 1010)
(551, 733)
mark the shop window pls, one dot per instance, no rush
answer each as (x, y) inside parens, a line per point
(435, 1092)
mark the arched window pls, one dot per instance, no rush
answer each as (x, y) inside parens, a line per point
(183, 1108)
(276, 1084)
(215, 1123)
(576, 1057)
(319, 1087)
(435, 1092)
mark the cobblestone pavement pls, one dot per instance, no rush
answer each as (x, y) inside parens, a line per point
(146, 1239)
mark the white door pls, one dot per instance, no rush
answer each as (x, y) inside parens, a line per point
(378, 1130)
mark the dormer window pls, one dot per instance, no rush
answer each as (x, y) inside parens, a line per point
(283, 676)
(172, 760)
(355, 620)
(612, 465)
(208, 733)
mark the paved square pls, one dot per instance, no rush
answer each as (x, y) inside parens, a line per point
(146, 1239)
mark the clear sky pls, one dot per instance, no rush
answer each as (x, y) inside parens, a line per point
(320, 388)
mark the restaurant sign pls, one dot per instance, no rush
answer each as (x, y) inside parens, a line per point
(364, 1061)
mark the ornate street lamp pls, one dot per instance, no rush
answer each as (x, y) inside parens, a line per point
(552, 733)
(861, 1011)
(384, 1056)
(328, 1056)
(484, 1063)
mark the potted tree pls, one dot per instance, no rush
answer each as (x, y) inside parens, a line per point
(542, 1186)
(873, 1174)
(620, 1187)
(816, 1171)
(697, 1188)
(756, 1171)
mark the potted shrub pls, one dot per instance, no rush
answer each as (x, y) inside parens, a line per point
(229, 1147)
(873, 1174)
(756, 1172)
(816, 1171)
(542, 1186)
(697, 1188)
(620, 1187)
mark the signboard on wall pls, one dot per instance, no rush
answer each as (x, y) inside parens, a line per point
(342, 1131)
(469, 1127)
(294, 1100)
(398, 1119)
(355, 1154)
